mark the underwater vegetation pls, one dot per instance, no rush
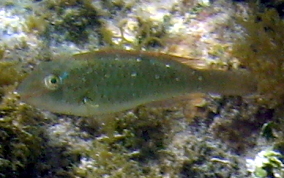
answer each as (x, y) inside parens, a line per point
(9, 73)
(260, 49)
(267, 163)
(20, 137)
(212, 139)
(131, 146)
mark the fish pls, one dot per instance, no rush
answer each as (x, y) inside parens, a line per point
(111, 80)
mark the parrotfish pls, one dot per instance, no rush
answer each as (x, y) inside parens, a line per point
(109, 81)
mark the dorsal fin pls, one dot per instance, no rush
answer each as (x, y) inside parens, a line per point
(194, 63)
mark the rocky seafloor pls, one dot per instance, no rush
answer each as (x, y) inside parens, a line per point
(208, 136)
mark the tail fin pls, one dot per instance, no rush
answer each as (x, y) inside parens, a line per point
(229, 82)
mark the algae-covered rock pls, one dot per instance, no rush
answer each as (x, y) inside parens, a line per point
(212, 139)
(260, 49)
(20, 137)
(10, 73)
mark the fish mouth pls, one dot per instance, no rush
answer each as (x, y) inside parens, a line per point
(27, 96)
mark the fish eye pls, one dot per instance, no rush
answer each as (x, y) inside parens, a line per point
(51, 82)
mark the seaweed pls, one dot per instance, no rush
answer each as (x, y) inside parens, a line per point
(20, 137)
(261, 50)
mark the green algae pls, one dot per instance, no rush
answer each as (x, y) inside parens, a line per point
(140, 144)
(260, 49)
(20, 134)
(28, 135)
(35, 23)
(128, 146)
(20, 137)
(25, 149)
(244, 114)
(74, 23)
(83, 21)
(266, 164)
(9, 73)
(112, 162)
(137, 144)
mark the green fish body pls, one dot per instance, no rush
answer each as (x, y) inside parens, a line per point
(109, 81)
